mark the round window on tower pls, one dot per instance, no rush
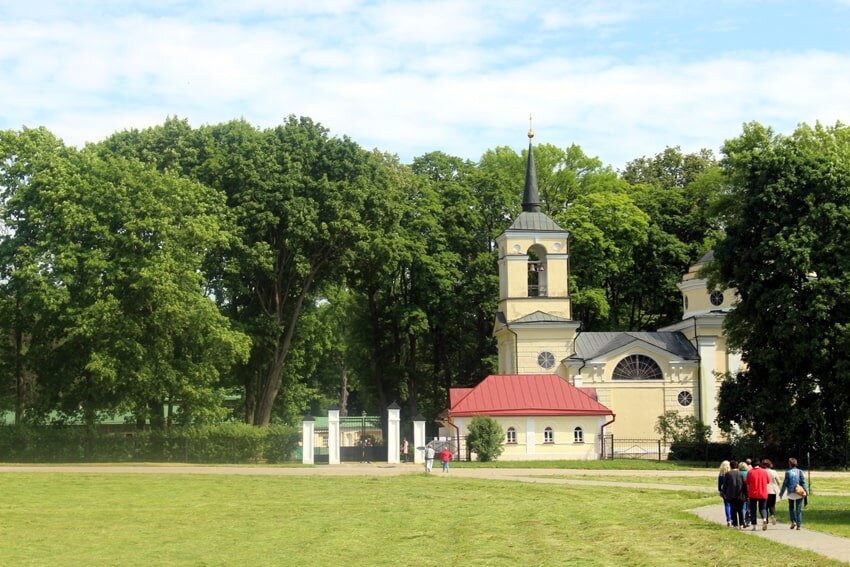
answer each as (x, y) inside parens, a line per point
(716, 298)
(685, 398)
(546, 360)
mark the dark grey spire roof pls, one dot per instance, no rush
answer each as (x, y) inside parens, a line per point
(531, 195)
(534, 221)
(707, 257)
(541, 317)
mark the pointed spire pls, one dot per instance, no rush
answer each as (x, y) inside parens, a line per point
(531, 195)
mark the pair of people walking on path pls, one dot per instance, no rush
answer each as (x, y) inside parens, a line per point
(758, 489)
(445, 458)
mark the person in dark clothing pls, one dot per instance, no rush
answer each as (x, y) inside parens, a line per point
(735, 492)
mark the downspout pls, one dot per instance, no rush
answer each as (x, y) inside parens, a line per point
(516, 347)
(699, 371)
(602, 436)
(575, 352)
(457, 431)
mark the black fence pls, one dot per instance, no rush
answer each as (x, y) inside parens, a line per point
(711, 454)
(638, 449)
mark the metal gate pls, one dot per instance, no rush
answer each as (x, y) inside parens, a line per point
(642, 449)
(361, 439)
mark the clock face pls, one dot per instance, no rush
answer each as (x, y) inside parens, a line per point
(546, 360)
(716, 298)
(685, 398)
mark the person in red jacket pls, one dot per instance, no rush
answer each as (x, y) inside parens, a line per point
(757, 481)
(446, 456)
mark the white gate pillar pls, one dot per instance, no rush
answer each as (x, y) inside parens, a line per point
(393, 433)
(333, 435)
(419, 439)
(308, 428)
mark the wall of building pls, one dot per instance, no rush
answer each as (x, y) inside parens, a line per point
(530, 443)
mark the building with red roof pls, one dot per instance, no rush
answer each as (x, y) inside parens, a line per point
(568, 419)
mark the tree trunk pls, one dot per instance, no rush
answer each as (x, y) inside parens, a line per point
(270, 386)
(20, 384)
(343, 389)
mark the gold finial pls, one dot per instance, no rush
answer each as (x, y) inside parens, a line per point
(530, 129)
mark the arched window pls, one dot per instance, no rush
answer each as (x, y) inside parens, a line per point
(637, 367)
(578, 435)
(511, 435)
(548, 435)
(536, 271)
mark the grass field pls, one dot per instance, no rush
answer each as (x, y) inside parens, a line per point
(125, 519)
(826, 484)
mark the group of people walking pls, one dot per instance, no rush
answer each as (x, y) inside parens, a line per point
(749, 492)
(445, 458)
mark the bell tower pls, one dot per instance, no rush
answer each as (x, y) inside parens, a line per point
(534, 326)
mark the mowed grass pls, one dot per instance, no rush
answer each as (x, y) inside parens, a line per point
(826, 513)
(150, 519)
(820, 484)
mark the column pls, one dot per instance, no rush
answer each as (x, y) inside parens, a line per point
(393, 433)
(333, 435)
(308, 428)
(707, 388)
(419, 439)
(529, 436)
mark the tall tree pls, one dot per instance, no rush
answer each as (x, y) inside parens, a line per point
(785, 252)
(118, 248)
(298, 199)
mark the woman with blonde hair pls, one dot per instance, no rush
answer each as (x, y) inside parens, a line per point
(773, 488)
(721, 479)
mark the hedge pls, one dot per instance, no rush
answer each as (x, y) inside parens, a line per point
(221, 443)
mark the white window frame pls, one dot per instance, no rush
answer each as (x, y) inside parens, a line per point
(578, 435)
(509, 434)
(549, 436)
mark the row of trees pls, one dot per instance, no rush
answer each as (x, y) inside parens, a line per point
(158, 272)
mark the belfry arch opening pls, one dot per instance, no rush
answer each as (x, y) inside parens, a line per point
(537, 271)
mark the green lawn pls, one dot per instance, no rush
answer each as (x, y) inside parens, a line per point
(117, 519)
(826, 484)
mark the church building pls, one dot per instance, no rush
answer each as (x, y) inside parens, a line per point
(559, 389)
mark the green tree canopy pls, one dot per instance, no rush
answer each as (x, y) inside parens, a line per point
(106, 258)
(786, 253)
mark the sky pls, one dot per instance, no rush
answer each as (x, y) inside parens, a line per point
(620, 79)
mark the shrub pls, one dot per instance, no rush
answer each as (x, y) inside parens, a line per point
(485, 438)
(220, 443)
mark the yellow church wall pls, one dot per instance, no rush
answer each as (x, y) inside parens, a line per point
(637, 410)
(534, 341)
(514, 308)
(638, 403)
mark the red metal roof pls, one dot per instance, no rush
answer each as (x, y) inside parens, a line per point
(524, 394)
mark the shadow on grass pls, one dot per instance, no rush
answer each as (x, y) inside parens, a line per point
(828, 517)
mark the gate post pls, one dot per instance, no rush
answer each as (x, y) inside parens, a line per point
(419, 439)
(333, 435)
(393, 433)
(308, 428)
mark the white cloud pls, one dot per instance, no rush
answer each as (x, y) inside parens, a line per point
(460, 77)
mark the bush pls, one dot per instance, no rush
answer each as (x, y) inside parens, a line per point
(221, 443)
(485, 437)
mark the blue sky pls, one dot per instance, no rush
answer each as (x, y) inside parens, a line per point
(620, 79)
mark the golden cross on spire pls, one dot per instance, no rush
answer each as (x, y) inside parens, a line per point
(530, 129)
